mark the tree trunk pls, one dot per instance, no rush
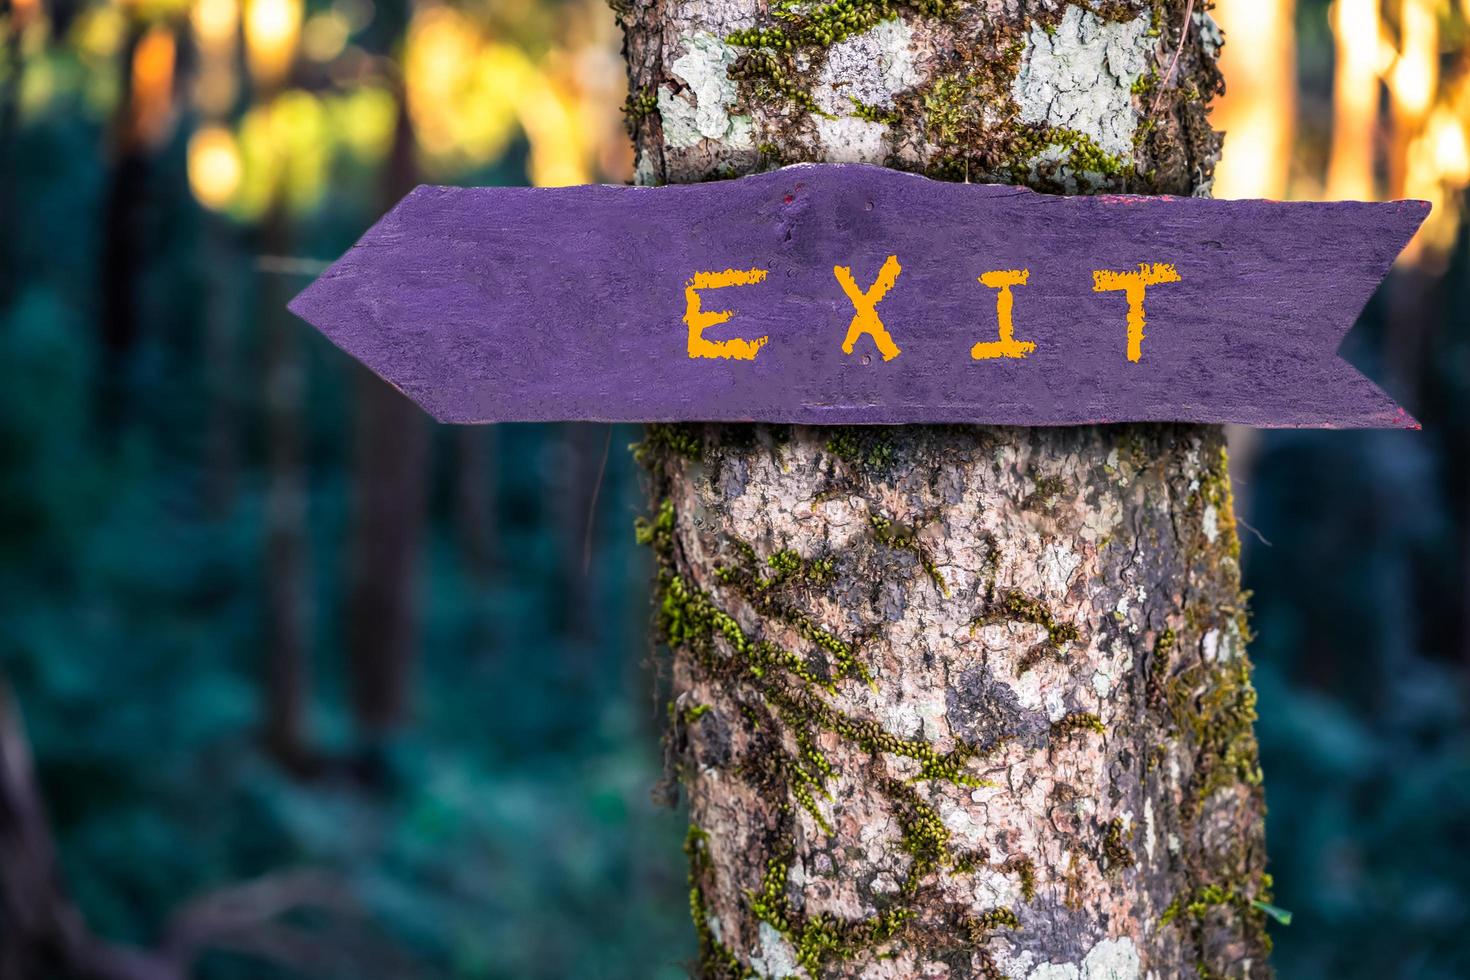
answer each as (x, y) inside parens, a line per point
(124, 246)
(475, 500)
(390, 476)
(389, 485)
(287, 558)
(221, 328)
(952, 701)
(10, 254)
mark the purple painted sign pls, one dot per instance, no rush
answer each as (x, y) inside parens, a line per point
(855, 294)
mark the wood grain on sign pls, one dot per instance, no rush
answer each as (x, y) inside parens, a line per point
(855, 294)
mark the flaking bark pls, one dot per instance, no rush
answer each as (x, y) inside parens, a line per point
(947, 701)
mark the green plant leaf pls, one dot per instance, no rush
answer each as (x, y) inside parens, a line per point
(1281, 915)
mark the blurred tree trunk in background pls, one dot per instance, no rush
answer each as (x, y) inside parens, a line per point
(221, 368)
(475, 477)
(391, 443)
(288, 579)
(9, 156)
(123, 257)
(947, 701)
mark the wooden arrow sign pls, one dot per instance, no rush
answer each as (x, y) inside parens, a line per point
(855, 294)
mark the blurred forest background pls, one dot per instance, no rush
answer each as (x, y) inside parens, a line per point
(317, 689)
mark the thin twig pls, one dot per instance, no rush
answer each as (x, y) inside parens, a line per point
(1174, 62)
(592, 505)
(1259, 536)
(290, 265)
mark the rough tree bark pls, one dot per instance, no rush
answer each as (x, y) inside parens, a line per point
(947, 701)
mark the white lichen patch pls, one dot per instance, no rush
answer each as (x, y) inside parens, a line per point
(1112, 662)
(1080, 77)
(1058, 563)
(1101, 523)
(995, 889)
(1027, 689)
(774, 957)
(1111, 959)
(959, 821)
(884, 883)
(1148, 828)
(985, 794)
(868, 69)
(1210, 645)
(1056, 705)
(645, 173)
(871, 68)
(1211, 38)
(849, 139)
(1055, 971)
(1232, 645)
(934, 716)
(1211, 524)
(704, 69)
(901, 717)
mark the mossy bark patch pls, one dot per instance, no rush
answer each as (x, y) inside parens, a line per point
(886, 793)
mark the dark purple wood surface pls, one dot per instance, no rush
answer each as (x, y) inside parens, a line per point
(505, 304)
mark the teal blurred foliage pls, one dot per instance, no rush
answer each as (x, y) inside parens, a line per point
(514, 836)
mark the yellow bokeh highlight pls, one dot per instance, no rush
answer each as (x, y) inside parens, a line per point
(362, 122)
(216, 27)
(98, 33)
(153, 81)
(1415, 73)
(272, 32)
(286, 151)
(1437, 168)
(288, 147)
(1355, 30)
(1415, 143)
(463, 91)
(558, 154)
(214, 167)
(1257, 111)
(1449, 146)
(470, 95)
(36, 88)
(215, 22)
(325, 36)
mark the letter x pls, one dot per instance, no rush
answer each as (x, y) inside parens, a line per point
(866, 321)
